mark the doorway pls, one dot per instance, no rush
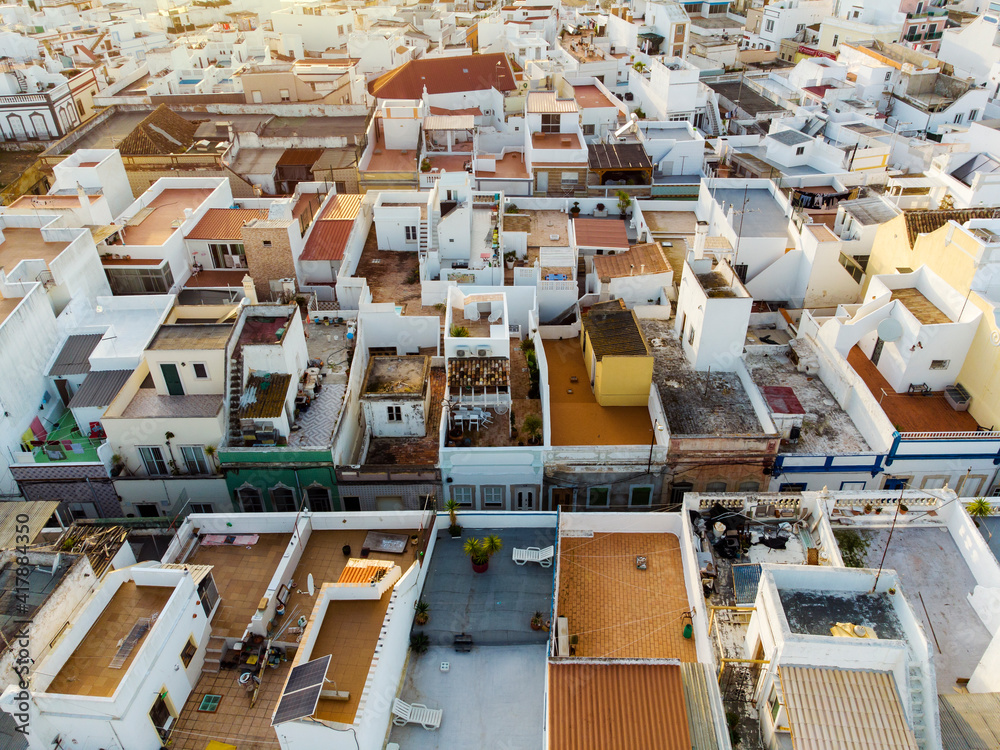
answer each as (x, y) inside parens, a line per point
(562, 497)
(147, 510)
(351, 504)
(173, 379)
(524, 497)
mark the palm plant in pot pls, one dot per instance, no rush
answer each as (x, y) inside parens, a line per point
(979, 509)
(481, 550)
(537, 620)
(422, 609)
(454, 529)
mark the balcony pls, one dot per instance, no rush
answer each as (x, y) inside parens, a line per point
(65, 443)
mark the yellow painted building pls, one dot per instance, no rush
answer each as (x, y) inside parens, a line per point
(616, 354)
(938, 240)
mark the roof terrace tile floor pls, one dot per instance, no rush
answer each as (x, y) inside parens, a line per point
(617, 610)
(242, 575)
(577, 418)
(86, 672)
(910, 412)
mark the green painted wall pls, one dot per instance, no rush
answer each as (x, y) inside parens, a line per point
(266, 468)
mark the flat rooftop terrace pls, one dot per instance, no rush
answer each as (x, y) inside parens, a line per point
(544, 228)
(22, 243)
(87, 671)
(749, 100)
(827, 427)
(511, 166)
(388, 273)
(815, 612)
(242, 576)
(697, 403)
(577, 418)
(618, 611)
(160, 215)
(147, 403)
(910, 412)
(762, 215)
(937, 582)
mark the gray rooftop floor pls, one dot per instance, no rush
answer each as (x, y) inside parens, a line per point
(492, 697)
(762, 215)
(936, 582)
(494, 607)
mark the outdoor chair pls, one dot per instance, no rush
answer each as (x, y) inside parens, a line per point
(415, 713)
(534, 554)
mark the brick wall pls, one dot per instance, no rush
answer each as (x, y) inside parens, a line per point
(269, 257)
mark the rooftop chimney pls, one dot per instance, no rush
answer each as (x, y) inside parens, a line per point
(700, 235)
(249, 290)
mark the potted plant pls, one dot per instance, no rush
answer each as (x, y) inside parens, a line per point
(212, 451)
(459, 332)
(421, 616)
(481, 550)
(639, 67)
(537, 620)
(624, 203)
(532, 427)
(425, 165)
(600, 211)
(576, 209)
(640, 113)
(878, 510)
(117, 464)
(869, 508)
(454, 528)
(979, 509)
(419, 642)
(509, 257)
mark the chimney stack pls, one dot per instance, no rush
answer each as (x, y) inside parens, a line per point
(249, 290)
(700, 235)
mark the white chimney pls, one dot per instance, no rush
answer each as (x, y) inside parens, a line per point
(700, 235)
(249, 290)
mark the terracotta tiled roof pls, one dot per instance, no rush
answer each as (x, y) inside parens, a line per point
(606, 233)
(925, 222)
(445, 75)
(161, 132)
(478, 372)
(617, 704)
(225, 223)
(844, 709)
(474, 111)
(328, 240)
(614, 331)
(342, 206)
(644, 259)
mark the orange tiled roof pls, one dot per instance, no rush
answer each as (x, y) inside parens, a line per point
(606, 233)
(225, 223)
(600, 704)
(445, 75)
(328, 240)
(647, 258)
(925, 222)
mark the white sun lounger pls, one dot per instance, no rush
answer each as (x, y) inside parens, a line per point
(534, 554)
(415, 713)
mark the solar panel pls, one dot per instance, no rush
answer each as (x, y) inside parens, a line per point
(302, 691)
(308, 674)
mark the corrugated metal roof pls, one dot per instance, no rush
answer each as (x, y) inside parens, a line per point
(38, 512)
(617, 156)
(225, 223)
(99, 388)
(547, 103)
(617, 704)
(844, 709)
(604, 233)
(342, 206)
(328, 240)
(697, 699)
(969, 721)
(74, 357)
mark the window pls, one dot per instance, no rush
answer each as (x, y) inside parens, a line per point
(897, 483)
(159, 714)
(749, 486)
(640, 495)
(210, 703)
(250, 500)
(958, 118)
(190, 648)
(80, 109)
(285, 96)
(493, 496)
(569, 178)
(152, 459)
(395, 413)
(836, 40)
(352, 504)
(973, 114)
(283, 499)
(318, 499)
(888, 75)
(202, 508)
(598, 497)
(550, 123)
(266, 243)
(774, 705)
(589, 129)
(411, 234)
(800, 150)
(934, 483)
(715, 487)
(792, 487)
(463, 494)
(852, 267)
(125, 281)
(769, 25)
(340, 31)
(940, 364)
(194, 459)
(200, 370)
(799, 27)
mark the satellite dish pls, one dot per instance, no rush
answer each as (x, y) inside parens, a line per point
(310, 585)
(890, 330)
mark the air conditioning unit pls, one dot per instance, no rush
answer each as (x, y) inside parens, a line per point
(484, 351)
(462, 352)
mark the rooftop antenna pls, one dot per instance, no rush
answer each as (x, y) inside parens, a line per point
(899, 504)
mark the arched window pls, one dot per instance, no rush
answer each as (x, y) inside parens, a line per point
(318, 499)
(283, 499)
(250, 499)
